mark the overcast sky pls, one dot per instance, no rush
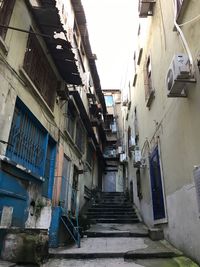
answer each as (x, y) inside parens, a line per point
(111, 25)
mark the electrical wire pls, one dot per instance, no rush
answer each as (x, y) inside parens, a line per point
(2, 59)
(189, 21)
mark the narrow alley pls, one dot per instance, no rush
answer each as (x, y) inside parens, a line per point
(99, 152)
(117, 238)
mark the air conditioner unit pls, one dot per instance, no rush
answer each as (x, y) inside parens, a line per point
(146, 8)
(132, 143)
(119, 149)
(137, 158)
(179, 76)
(123, 157)
(87, 79)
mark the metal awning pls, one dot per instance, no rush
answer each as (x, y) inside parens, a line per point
(48, 20)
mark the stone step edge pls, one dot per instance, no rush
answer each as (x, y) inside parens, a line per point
(115, 234)
(126, 255)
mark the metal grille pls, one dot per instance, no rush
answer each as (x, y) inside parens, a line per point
(90, 154)
(80, 136)
(39, 70)
(27, 141)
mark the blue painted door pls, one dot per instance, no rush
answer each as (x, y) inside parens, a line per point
(13, 194)
(156, 186)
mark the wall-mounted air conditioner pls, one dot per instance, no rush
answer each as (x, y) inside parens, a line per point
(123, 157)
(119, 150)
(179, 76)
(132, 143)
(137, 158)
(145, 8)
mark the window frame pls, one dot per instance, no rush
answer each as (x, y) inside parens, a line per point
(108, 103)
(5, 16)
(26, 136)
(148, 82)
(35, 64)
(80, 136)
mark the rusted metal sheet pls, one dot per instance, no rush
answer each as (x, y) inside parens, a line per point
(48, 20)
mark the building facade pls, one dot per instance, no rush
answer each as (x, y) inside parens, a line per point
(161, 118)
(51, 153)
(113, 178)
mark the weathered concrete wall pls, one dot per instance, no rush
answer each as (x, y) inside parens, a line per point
(173, 123)
(25, 246)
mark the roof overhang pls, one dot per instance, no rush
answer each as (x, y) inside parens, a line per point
(48, 21)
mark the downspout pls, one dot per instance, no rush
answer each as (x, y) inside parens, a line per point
(183, 39)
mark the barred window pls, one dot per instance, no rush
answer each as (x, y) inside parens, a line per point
(71, 119)
(80, 136)
(39, 70)
(6, 8)
(90, 154)
(31, 146)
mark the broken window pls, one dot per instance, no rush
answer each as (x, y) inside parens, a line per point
(6, 8)
(39, 70)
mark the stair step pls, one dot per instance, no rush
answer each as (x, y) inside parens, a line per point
(102, 220)
(107, 205)
(115, 234)
(121, 213)
(110, 209)
(123, 216)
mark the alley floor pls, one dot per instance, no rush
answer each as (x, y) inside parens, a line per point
(118, 245)
(125, 245)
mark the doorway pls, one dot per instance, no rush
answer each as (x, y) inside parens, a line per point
(109, 184)
(157, 186)
(74, 191)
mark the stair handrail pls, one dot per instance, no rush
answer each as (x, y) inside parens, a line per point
(68, 214)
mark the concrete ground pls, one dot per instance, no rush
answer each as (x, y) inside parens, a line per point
(121, 248)
(174, 262)
(112, 246)
(116, 250)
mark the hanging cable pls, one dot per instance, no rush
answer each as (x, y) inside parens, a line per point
(189, 21)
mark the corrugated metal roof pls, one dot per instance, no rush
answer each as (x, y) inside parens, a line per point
(48, 20)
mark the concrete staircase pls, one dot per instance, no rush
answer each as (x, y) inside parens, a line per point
(117, 238)
(113, 207)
